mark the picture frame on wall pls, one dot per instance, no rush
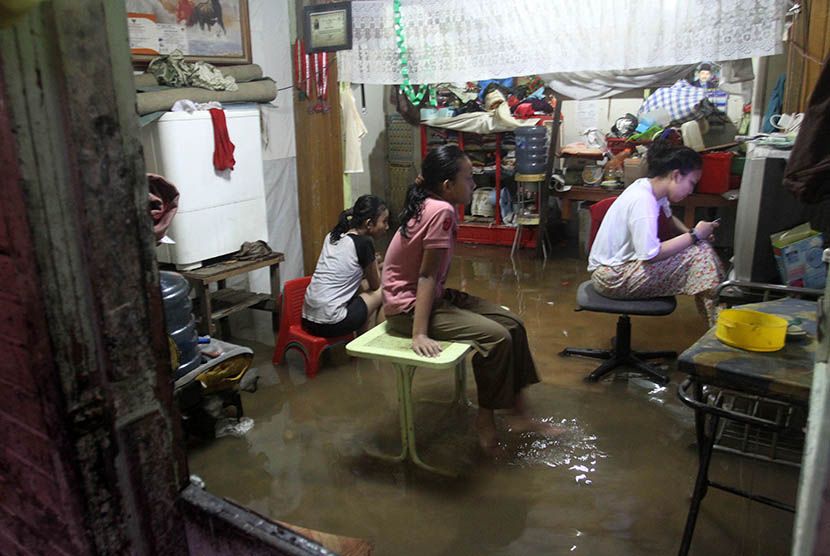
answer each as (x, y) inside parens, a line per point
(214, 31)
(328, 27)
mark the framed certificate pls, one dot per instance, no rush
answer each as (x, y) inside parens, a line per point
(328, 27)
(215, 31)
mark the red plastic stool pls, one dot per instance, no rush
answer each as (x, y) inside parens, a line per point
(291, 333)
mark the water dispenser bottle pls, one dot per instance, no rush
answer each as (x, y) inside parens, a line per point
(531, 149)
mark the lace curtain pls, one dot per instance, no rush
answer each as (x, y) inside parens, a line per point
(471, 40)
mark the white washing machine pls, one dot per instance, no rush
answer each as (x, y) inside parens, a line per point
(218, 211)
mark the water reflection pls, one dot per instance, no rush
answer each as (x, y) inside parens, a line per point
(617, 482)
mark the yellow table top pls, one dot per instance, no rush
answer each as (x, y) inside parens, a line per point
(386, 345)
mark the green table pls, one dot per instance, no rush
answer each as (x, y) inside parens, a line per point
(784, 375)
(383, 344)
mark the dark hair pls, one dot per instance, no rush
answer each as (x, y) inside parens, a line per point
(441, 163)
(663, 158)
(367, 207)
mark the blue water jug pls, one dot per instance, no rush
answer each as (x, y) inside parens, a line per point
(531, 149)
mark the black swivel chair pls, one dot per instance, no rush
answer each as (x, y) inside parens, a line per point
(620, 353)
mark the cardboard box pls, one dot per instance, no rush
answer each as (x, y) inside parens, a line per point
(633, 169)
(798, 256)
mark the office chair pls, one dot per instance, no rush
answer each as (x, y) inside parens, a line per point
(620, 353)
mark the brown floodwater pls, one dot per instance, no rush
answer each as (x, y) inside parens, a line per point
(617, 483)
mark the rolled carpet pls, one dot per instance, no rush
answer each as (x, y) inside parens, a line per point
(264, 90)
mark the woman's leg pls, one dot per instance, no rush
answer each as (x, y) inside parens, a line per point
(492, 362)
(502, 364)
(374, 306)
(694, 271)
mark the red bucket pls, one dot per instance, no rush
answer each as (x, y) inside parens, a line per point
(714, 177)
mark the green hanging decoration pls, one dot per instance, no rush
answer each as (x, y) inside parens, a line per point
(406, 86)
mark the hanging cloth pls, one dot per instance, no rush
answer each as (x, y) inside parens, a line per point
(776, 101)
(807, 174)
(353, 128)
(222, 146)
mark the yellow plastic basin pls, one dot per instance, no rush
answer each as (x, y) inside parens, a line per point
(751, 330)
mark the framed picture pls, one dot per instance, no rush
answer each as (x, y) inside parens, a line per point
(328, 27)
(215, 31)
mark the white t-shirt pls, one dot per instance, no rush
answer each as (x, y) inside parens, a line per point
(629, 230)
(337, 277)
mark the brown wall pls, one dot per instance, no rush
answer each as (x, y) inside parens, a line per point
(319, 171)
(39, 508)
(91, 456)
(319, 161)
(97, 425)
(809, 45)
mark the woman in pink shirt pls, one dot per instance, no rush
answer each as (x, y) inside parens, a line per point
(416, 301)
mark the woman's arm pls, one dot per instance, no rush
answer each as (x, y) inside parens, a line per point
(678, 225)
(675, 245)
(422, 344)
(372, 275)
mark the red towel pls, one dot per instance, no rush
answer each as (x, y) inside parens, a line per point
(222, 146)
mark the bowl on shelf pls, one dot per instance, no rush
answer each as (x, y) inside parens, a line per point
(592, 174)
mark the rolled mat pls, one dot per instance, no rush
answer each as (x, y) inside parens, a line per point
(264, 90)
(242, 73)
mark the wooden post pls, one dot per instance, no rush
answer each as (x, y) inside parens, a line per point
(542, 235)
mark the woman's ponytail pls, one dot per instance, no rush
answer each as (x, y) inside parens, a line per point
(366, 208)
(441, 163)
(344, 222)
(415, 197)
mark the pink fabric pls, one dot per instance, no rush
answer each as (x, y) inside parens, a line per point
(164, 203)
(437, 229)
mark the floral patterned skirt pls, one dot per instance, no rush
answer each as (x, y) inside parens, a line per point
(694, 271)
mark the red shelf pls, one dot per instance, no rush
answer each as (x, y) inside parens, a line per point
(491, 234)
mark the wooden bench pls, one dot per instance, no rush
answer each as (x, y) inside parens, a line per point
(383, 344)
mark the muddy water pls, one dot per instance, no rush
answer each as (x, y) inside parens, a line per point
(617, 483)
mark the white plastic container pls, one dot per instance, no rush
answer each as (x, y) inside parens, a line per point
(692, 135)
(218, 211)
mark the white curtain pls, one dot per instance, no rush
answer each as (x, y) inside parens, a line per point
(470, 40)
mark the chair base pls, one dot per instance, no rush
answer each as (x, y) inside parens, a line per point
(622, 354)
(633, 359)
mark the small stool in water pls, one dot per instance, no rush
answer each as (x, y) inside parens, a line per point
(383, 344)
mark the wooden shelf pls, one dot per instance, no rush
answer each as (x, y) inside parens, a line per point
(217, 305)
(597, 193)
(485, 231)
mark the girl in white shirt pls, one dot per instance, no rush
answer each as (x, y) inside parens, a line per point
(629, 261)
(344, 294)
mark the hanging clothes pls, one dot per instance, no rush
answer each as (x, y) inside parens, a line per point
(776, 102)
(353, 128)
(222, 146)
(807, 174)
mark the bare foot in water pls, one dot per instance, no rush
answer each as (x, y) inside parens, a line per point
(519, 421)
(486, 429)
(521, 424)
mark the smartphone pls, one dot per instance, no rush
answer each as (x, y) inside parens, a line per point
(716, 221)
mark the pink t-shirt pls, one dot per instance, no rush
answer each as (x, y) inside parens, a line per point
(437, 229)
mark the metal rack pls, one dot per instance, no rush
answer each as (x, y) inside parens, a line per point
(783, 445)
